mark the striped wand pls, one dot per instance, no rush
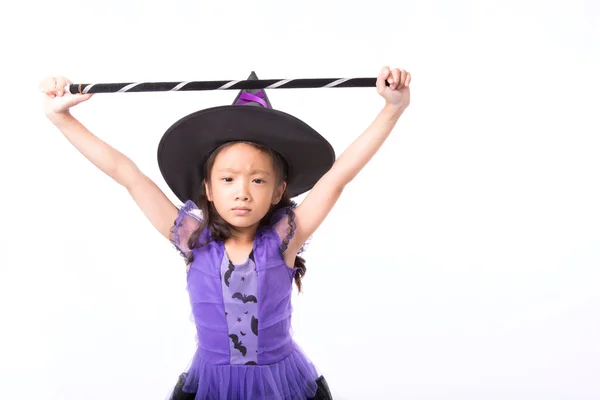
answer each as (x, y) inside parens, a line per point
(84, 88)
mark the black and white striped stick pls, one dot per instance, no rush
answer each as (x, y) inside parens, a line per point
(84, 88)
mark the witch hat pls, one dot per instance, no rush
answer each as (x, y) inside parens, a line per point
(187, 144)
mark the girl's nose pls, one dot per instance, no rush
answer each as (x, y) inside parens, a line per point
(243, 194)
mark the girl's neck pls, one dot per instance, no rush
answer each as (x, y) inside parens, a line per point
(243, 236)
(240, 245)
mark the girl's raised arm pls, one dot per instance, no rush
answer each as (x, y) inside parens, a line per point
(152, 201)
(323, 196)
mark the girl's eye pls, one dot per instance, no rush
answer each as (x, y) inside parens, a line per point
(259, 181)
(227, 179)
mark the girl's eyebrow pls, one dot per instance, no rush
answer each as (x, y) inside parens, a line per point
(252, 172)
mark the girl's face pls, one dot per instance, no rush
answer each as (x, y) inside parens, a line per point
(243, 185)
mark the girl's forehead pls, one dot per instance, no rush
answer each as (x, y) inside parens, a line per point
(243, 156)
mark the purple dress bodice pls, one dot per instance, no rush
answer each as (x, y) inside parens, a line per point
(242, 315)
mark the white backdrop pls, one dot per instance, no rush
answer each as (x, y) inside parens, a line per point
(462, 263)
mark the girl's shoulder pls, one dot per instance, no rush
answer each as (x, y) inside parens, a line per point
(283, 226)
(189, 219)
(190, 209)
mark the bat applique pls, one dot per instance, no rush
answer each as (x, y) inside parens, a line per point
(238, 345)
(242, 333)
(244, 298)
(254, 325)
(228, 273)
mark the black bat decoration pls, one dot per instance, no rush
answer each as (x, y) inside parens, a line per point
(228, 273)
(242, 333)
(254, 325)
(244, 298)
(238, 345)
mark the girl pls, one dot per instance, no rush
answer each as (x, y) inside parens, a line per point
(236, 168)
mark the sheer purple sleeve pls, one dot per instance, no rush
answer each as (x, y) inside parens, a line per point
(188, 220)
(284, 225)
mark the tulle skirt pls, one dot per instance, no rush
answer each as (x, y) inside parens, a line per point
(293, 378)
(323, 392)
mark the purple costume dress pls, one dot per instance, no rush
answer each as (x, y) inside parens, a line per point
(242, 315)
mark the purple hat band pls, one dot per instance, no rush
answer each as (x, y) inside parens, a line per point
(246, 97)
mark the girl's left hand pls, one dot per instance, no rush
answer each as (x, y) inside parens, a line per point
(397, 94)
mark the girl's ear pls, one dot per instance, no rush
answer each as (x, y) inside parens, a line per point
(207, 190)
(278, 194)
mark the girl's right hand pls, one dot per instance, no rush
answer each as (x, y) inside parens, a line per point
(56, 100)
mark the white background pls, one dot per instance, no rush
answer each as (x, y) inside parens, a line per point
(462, 263)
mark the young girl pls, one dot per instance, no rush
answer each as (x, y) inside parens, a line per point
(235, 169)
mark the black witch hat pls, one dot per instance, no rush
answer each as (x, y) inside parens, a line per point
(187, 144)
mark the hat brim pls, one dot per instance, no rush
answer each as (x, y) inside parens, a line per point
(187, 144)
